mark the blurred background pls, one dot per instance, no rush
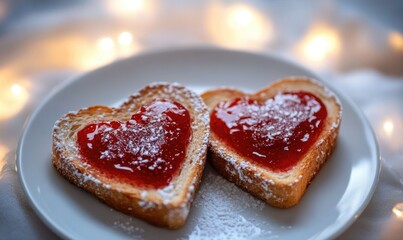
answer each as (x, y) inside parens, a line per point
(356, 44)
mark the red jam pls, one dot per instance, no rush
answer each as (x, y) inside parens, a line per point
(146, 151)
(274, 134)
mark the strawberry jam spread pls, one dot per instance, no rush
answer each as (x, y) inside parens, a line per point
(275, 133)
(147, 151)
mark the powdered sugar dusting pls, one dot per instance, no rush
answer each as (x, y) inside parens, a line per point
(274, 133)
(65, 144)
(146, 150)
(129, 226)
(190, 100)
(325, 90)
(222, 207)
(285, 110)
(220, 211)
(167, 193)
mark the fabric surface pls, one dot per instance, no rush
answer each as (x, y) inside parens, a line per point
(19, 221)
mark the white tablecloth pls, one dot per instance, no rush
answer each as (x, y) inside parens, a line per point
(34, 52)
(19, 221)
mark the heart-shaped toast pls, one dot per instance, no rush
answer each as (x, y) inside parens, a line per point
(144, 158)
(146, 151)
(272, 143)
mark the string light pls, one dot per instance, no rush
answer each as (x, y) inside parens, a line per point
(128, 5)
(319, 46)
(238, 26)
(132, 5)
(240, 16)
(398, 210)
(12, 99)
(125, 38)
(105, 44)
(396, 40)
(131, 8)
(109, 49)
(388, 127)
(16, 89)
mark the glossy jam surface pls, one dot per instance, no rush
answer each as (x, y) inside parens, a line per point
(274, 134)
(146, 151)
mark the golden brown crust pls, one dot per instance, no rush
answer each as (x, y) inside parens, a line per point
(167, 207)
(283, 189)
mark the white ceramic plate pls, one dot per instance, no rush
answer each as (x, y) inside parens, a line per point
(334, 200)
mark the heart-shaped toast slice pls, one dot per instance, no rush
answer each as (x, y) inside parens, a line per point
(144, 158)
(273, 142)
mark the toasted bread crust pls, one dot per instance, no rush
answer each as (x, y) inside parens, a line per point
(283, 189)
(166, 207)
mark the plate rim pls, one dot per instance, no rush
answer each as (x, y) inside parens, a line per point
(267, 55)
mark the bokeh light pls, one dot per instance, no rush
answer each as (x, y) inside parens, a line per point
(13, 98)
(238, 25)
(398, 210)
(389, 131)
(125, 38)
(131, 8)
(109, 49)
(105, 44)
(396, 40)
(126, 6)
(388, 127)
(320, 46)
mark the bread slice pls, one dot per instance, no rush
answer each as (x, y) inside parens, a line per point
(165, 207)
(279, 189)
